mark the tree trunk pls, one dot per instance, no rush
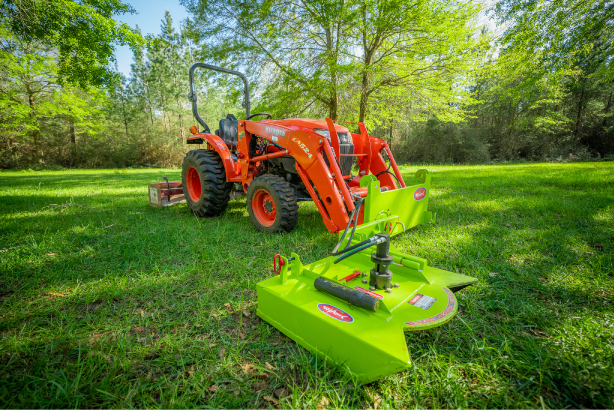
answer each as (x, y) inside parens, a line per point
(178, 106)
(364, 90)
(180, 120)
(334, 106)
(364, 96)
(604, 122)
(368, 53)
(149, 101)
(35, 132)
(73, 144)
(164, 113)
(579, 117)
(124, 112)
(334, 78)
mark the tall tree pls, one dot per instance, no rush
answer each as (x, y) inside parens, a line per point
(171, 48)
(30, 93)
(302, 43)
(140, 82)
(418, 50)
(83, 32)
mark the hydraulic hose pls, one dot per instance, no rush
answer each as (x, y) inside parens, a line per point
(387, 170)
(374, 240)
(353, 218)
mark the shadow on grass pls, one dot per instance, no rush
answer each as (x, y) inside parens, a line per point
(544, 287)
(120, 304)
(140, 336)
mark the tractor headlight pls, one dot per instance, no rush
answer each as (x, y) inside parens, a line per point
(323, 132)
(344, 137)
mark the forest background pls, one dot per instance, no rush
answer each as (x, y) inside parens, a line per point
(432, 77)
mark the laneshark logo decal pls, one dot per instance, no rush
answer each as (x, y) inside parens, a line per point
(419, 194)
(335, 312)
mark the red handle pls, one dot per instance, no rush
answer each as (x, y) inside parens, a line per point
(278, 262)
(351, 276)
(388, 227)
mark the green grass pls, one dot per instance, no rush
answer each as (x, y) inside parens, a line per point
(108, 302)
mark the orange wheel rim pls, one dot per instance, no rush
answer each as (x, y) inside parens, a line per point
(193, 184)
(264, 208)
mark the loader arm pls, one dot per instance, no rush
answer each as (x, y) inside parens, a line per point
(331, 194)
(334, 197)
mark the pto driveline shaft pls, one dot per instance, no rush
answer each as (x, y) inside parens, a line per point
(353, 296)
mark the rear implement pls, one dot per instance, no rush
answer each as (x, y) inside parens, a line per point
(353, 308)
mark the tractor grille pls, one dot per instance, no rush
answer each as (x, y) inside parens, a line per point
(346, 146)
(346, 162)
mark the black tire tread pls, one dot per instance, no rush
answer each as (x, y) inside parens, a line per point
(215, 192)
(287, 206)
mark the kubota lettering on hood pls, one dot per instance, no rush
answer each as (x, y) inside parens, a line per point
(335, 312)
(275, 131)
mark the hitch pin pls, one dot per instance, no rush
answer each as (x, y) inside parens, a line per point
(278, 262)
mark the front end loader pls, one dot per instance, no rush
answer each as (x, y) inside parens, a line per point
(278, 163)
(353, 306)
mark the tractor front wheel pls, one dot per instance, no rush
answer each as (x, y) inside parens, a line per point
(204, 183)
(271, 204)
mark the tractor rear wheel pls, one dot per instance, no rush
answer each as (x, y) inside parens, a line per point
(271, 204)
(204, 182)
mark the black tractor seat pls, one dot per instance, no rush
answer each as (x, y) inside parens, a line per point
(229, 131)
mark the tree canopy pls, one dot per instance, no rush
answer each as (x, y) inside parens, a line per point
(422, 74)
(83, 33)
(381, 53)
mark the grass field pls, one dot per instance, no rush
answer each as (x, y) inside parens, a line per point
(107, 302)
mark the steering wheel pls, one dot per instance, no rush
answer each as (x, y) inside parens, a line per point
(269, 116)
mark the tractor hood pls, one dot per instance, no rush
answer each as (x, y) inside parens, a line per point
(305, 123)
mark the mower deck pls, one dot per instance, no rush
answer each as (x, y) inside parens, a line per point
(368, 344)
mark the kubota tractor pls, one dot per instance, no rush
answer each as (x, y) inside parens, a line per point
(352, 307)
(278, 163)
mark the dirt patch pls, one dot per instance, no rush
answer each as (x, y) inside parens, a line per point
(54, 295)
(99, 336)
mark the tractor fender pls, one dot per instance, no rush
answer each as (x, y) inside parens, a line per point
(218, 145)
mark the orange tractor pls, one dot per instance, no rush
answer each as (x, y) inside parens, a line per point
(278, 163)
(346, 308)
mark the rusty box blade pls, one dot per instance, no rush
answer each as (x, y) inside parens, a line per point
(161, 195)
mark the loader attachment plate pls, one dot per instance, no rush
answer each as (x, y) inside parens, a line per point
(397, 210)
(369, 344)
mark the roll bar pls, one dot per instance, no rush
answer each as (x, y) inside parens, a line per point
(192, 96)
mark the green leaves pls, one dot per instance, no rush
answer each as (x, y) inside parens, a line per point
(346, 59)
(552, 35)
(84, 33)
